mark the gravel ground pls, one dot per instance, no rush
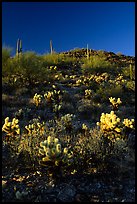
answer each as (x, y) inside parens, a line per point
(35, 186)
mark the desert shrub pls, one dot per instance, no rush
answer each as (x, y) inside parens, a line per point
(96, 64)
(22, 91)
(30, 66)
(130, 85)
(50, 60)
(122, 158)
(6, 53)
(60, 60)
(67, 108)
(109, 90)
(86, 109)
(129, 72)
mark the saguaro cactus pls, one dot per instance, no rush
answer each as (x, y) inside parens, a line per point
(19, 47)
(51, 48)
(87, 52)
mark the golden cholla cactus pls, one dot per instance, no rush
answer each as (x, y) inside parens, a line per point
(11, 128)
(56, 107)
(78, 82)
(109, 122)
(67, 120)
(51, 96)
(48, 96)
(115, 103)
(129, 123)
(52, 151)
(37, 99)
(36, 128)
(119, 79)
(53, 67)
(88, 93)
(84, 127)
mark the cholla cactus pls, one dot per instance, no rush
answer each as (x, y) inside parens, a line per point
(51, 96)
(56, 108)
(78, 82)
(37, 99)
(88, 93)
(129, 123)
(119, 79)
(35, 128)
(67, 120)
(109, 122)
(84, 127)
(48, 96)
(53, 67)
(52, 151)
(11, 128)
(115, 103)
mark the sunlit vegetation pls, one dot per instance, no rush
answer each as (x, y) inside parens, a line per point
(69, 114)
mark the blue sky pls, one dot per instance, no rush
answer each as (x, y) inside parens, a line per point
(106, 26)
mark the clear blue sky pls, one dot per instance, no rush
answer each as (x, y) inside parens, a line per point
(106, 26)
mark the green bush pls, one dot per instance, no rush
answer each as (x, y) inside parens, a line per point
(129, 72)
(96, 64)
(6, 62)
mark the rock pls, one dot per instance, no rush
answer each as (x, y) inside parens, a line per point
(67, 193)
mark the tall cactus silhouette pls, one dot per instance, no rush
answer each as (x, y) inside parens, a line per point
(51, 48)
(87, 52)
(19, 47)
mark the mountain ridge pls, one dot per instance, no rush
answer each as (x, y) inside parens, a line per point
(119, 59)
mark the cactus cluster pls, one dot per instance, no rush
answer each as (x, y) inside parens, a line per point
(35, 128)
(37, 99)
(51, 96)
(109, 122)
(119, 79)
(11, 128)
(115, 103)
(67, 120)
(52, 151)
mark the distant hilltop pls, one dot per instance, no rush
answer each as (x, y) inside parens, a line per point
(119, 59)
